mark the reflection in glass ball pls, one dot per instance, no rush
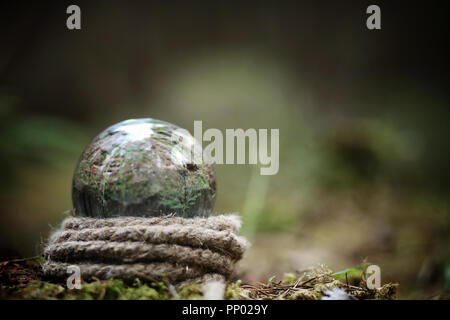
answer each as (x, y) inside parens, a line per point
(143, 167)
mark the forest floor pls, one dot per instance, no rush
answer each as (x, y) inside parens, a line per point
(23, 279)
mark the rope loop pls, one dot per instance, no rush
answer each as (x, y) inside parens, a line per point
(177, 249)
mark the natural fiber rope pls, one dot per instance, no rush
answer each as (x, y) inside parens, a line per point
(223, 222)
(176, 249)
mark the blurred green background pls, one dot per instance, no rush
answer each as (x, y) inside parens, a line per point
(363, 118)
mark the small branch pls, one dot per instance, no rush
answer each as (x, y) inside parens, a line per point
(20, 260)
(281, 296)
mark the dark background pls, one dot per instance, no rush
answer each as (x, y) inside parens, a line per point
(363, 118)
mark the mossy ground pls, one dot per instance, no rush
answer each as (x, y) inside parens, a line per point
(22, 280)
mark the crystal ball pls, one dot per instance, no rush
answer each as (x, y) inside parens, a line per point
(146, 168)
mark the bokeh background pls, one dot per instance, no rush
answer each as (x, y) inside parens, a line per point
(363, 118)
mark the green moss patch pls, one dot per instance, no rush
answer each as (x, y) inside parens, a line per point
(22, 280)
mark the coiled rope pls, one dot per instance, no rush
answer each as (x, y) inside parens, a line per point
(179, 250)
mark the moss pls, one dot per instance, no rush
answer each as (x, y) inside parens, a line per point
(289, 278)
(35, 290)
(118, 290)
(98, 290)
(191, 292)
(114, 290)
(233, 290)
(321, 287)
(306, 285)
(142, 293)
(311, 285)
(305, 294)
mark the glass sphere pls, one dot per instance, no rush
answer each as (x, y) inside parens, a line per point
(143, 167)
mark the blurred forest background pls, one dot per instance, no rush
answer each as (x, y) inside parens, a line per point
(363, 118)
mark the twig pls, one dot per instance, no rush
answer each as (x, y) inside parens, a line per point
(245, 297)
(20, 260)
(281, 296)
